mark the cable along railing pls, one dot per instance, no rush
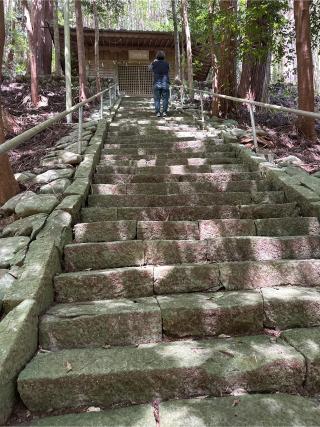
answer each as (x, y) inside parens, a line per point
(251, 106)
(113, 92)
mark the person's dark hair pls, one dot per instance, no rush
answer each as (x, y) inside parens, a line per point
(160, 54)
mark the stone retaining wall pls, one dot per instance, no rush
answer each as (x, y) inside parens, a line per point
(31, 247)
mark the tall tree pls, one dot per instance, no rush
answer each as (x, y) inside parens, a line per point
(184, 11)
(56, 37)
(305, 125)
(176, 39)
(81, 52)
(227, 54)
(8, 184)
(96, 46)
(32, 21)
(46, 39)
(260, 14)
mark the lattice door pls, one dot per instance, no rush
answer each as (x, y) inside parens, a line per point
(135, 80)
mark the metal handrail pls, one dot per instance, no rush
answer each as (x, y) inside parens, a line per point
(25, 136)
(251, 104)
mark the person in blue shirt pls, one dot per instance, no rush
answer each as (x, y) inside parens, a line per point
(161, 83)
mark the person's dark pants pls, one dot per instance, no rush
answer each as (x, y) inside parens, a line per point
(161, 93)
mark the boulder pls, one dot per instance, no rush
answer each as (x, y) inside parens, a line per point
(53, 175)
(23, 177)
(9, 207)
(13, 251)
(68, 157)
(28, 226)
(54, 187)
(36, 203)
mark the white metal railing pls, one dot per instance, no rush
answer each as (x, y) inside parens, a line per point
(113, 91)
(251, 104)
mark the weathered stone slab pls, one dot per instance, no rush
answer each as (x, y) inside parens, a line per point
(269, 211)
(268, 197)
(58, 228)
(186, 278)
(41, 264)
(159, 252)
(287, 226)
(101, 377)
(137, 415)
(179, 213)
(253, 248)
(98, 214)
(80, 187)
(132, 282)
(97, 256)
(36, 203)
(53, 175)
(251, 275)
(107, 231)
(18, 343)
(101, 323)
(72, 205)
(29, 226)
(109, 189)
(226, 227)
(10, 206)
(306, 341)
(210, 314)
(253, 410)
(291, 307)
(167, 230)
(55, 187)
(7, 280)
(13, 251)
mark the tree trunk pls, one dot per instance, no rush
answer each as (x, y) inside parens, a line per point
(30, 25)
(46, 37)
(67, 59)
(176, 40)
(8, 185)
(56, 37)
(96, 47)
(184, 8)
(227, 66)
(215, 101)
(81, 52)
(254, 67)
(305, 125)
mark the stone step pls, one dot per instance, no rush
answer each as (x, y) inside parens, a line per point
(166, 151)
(193, 213)
(101, 323)
(130, 375)
(101, 198)
(265, 409)
(100, 255)
(217, 177)
(164, 170)
(169, 143)
(134, 282)
(154, 188)
(191, 161)
(133, 322)
(106, 231)
(165, 157)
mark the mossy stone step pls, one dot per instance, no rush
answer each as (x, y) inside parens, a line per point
(166, 151)
(185, 213)
(105, 377)
(216, 177)
(163, 170)
(106, 231)
(154, 188)
(101, 323)
(211, 314)
(253, 410)
(82, 256)
(262, 274)
(157, 200)
(173, 157)
(169, 143)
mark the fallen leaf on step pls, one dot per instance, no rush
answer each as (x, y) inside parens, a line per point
(68, 366)
(93, 409)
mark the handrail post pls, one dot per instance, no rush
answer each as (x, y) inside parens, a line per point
(80, 130)
(201, 105)
(109, 97)
(182, 96)
(253, 126)
(101, 106)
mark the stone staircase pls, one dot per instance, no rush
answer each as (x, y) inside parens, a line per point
(188, 277)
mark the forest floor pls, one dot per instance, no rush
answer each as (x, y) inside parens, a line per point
(279, 136)
(20, 115)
